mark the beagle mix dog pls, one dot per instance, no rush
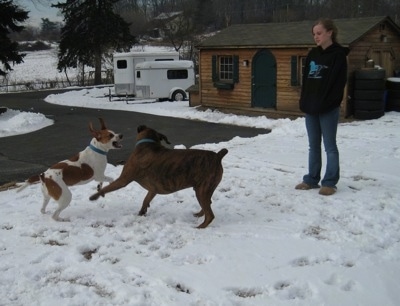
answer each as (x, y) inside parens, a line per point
(82, 168)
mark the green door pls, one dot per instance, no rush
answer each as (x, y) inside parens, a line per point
(263, 87)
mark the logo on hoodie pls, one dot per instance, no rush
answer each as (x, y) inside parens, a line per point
(315, 70)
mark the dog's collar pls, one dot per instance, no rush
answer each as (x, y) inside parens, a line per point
(97, 150)
(145, 140)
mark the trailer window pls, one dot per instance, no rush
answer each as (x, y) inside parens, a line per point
(122, 64)
(177, 74)
(138, 74)
(163, 59)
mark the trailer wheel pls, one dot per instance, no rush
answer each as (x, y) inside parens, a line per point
(178, 95)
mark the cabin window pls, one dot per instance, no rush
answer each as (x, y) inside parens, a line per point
(122, 64)
(225, 68)
(297, 64)
(225, 71)
(177, 74)
(138, 74)
(302, 67)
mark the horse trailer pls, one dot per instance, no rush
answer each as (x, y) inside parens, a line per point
(164, 80)
(125, 64)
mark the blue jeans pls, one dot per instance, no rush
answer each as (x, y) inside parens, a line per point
(322, 126)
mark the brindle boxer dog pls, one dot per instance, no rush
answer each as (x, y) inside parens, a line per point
(162, 171)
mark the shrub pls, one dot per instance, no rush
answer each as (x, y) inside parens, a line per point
(34, 46)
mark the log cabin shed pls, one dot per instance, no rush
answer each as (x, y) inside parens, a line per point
(257, 68)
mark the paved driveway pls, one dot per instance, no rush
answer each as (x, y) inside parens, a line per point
(24, 155)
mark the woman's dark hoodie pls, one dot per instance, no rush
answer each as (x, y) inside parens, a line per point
(324, 79)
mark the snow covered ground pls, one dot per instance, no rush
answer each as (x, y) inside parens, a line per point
(268, 245)
(38, 66)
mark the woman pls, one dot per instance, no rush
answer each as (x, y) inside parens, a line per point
(324, 79)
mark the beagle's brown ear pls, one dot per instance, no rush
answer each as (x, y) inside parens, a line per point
(95, 134)
(102, 123)
(141, 128)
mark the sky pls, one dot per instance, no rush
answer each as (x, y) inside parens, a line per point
(39, 9)
(269, 244)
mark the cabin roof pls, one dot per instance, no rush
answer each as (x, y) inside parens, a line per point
(290, 34)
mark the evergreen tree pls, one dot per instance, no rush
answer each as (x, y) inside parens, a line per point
(91, 29)
(10, 17)
(49, 30)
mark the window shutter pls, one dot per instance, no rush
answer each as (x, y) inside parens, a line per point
(214, 68)
(236, 69)
(294, 75)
